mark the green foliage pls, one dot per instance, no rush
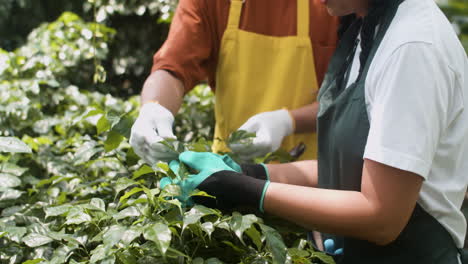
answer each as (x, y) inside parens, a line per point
(73, 191)
(36, 80)
(195, 119)
(139, 34)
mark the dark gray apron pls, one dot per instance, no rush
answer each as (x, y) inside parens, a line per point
(343, 127)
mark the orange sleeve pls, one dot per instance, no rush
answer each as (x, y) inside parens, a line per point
(188, 49)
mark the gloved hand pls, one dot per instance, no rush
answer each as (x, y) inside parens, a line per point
(216, 178)
(184, 196)
(258, 171)
(270, 128)
(186, 191)
(329, 245)
(153, 125)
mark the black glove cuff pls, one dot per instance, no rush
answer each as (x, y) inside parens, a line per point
(257, 171)
(232, 189)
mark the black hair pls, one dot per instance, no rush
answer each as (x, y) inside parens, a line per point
(370, 23)
(368, 29)
(345, 23)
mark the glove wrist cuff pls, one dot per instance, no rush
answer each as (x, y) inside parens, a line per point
(151, 101)
(155, 108)
(257, 171)
(292, 121)
(233, 189)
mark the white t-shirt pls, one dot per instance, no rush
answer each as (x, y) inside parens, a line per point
(417, 102)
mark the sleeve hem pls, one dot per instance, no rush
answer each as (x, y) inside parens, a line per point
(398, 160)
(188, 86)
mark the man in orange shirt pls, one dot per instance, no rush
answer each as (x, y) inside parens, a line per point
(264, 59)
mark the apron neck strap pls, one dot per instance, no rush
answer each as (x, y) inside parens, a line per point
(303, 10)
(235, 14)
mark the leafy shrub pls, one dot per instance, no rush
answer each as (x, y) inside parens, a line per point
(76, 193)
(141, 28)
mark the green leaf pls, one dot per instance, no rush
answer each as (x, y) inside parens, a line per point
(127, 257)
(10, 194)
(145, 169)
(34, 143)
(275, 244)
(127, 212)
(8, 180)
(174, 253)
(163, 166)
(131, 157)
(34, 261)
(13, 145)
(103, 125)
(255, 236)
(86, 152)
(131, 234)
(295, 252)
(240, 223)
(208, 227)
(113, 141)
(241, 137)
(113, 235)
(198, 260)
(98, 203)
(57, 210)
(36, 240)
(124, 125)
(160, 234)
(195, 214)
(18, 210)
(213, 261)
(93, 112)
(13, 169)
(236, 248)
(171, 190)
(323, 257)
(76, 216)
(123, 183)
(15, 233)
(99, 253)
(130, 193)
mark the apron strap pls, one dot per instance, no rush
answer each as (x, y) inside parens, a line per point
(235, 14)
(303, 10)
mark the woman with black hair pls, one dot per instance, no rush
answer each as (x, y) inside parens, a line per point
(393, 143)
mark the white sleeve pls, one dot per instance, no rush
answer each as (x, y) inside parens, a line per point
(408, 100)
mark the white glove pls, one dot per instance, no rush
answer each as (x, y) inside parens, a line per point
(270, 129)
(153, 125)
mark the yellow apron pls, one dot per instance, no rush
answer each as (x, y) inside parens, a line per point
(258, 73)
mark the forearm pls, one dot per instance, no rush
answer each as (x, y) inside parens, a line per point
(302, 173)
(305, 118)
(346, 213)
(163, 87)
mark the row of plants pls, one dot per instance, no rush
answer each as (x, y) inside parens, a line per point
(141, 27)
(72, 189)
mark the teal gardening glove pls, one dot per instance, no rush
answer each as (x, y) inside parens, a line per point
(184, 196)
(230, 186)
(187, 187)
(174, 167)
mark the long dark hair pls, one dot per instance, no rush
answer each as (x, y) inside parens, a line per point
(369, 25)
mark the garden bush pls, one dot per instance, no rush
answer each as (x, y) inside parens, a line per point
(73, 191)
